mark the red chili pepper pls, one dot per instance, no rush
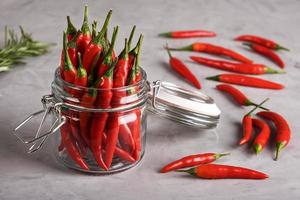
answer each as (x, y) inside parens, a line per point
(125, 137)
(214, 49)
(95, 47)
(192, 160)
(247, 125)
(283, 132)
(81, 77)
(104, 83)
(87, 100)
(188, 34)
(69, 71)
(108, 59)
(71, 147)
(71, 30)
(120, 77)
(77, 137)
(261, 41)
(85, 37)
(133, 78)
(263, 136)
(213, 171)
(183, 70)
(236, 67)
(237, 95)
(246, 81)
(266, 53)
(120, 152)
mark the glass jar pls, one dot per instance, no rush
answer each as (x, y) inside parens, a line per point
(96, 136)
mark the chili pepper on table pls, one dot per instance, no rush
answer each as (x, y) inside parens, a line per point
(247, 125)
(133, 78)
(246, 81)
(108, 59)
(104, 83)
(283, 132)
(237, 95)
(120, 77)
(263, 136)
(188, 34)
(71, 30)
(213, 49)
(95, 47)
(261, 41)
(178, 66)
(192, 160)
(266, 53)
(214, 171)
(71, 147)
(69, 71)
(236, 67)
(85, 37)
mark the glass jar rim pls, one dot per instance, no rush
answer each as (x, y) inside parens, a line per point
(127, 87)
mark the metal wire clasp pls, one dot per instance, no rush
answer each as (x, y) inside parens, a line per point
(155, 89)
(49, 107)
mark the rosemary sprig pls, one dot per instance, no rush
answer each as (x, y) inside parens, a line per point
(16, 49)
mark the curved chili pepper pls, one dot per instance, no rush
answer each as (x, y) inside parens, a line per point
(236, 67)
(108, 58)
(178, 66)
(283, 132)
(120, 77)
(192, 160)
(95, 47)
(71, 30)
(214, 49)
(261, 41)
(133, 53)
(77, 137)
(81, 77)
(246, 81)
(126, 136)
(71, 147)
(263, 136)
(85, 37)
(237, 95)
(104, 83)
(214, 171)
(247, 124)
(124, 155)
(266, 53)
(188, 34)
(133, 78)
(69, 71)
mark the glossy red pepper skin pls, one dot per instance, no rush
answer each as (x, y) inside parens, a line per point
(247, 129)
(215, 50)
(263, 136)
(74, 124)
(85, 36)
(188, 34)
(191, 161)
(71, 147)
(214, 171)
(69, 71)
(266, 53)
(237, 95)
(95, 47)
(105, 83)
(178, 66)
(261, 41)
(246, 81)
(255, 69)
(113, 125)
(283, 131)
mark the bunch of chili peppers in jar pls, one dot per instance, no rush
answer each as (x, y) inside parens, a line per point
(95, 75)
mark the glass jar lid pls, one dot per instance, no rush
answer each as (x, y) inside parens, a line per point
(188, 107)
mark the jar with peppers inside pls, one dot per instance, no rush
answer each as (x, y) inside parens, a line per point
(99, 102)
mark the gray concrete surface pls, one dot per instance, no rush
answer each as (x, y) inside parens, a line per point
(39, 176)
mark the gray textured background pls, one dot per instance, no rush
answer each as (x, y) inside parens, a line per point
(39, 176)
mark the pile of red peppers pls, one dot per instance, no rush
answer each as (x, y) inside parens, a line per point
(88, 60)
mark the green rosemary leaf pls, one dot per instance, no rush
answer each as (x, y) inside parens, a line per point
(16, 49)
